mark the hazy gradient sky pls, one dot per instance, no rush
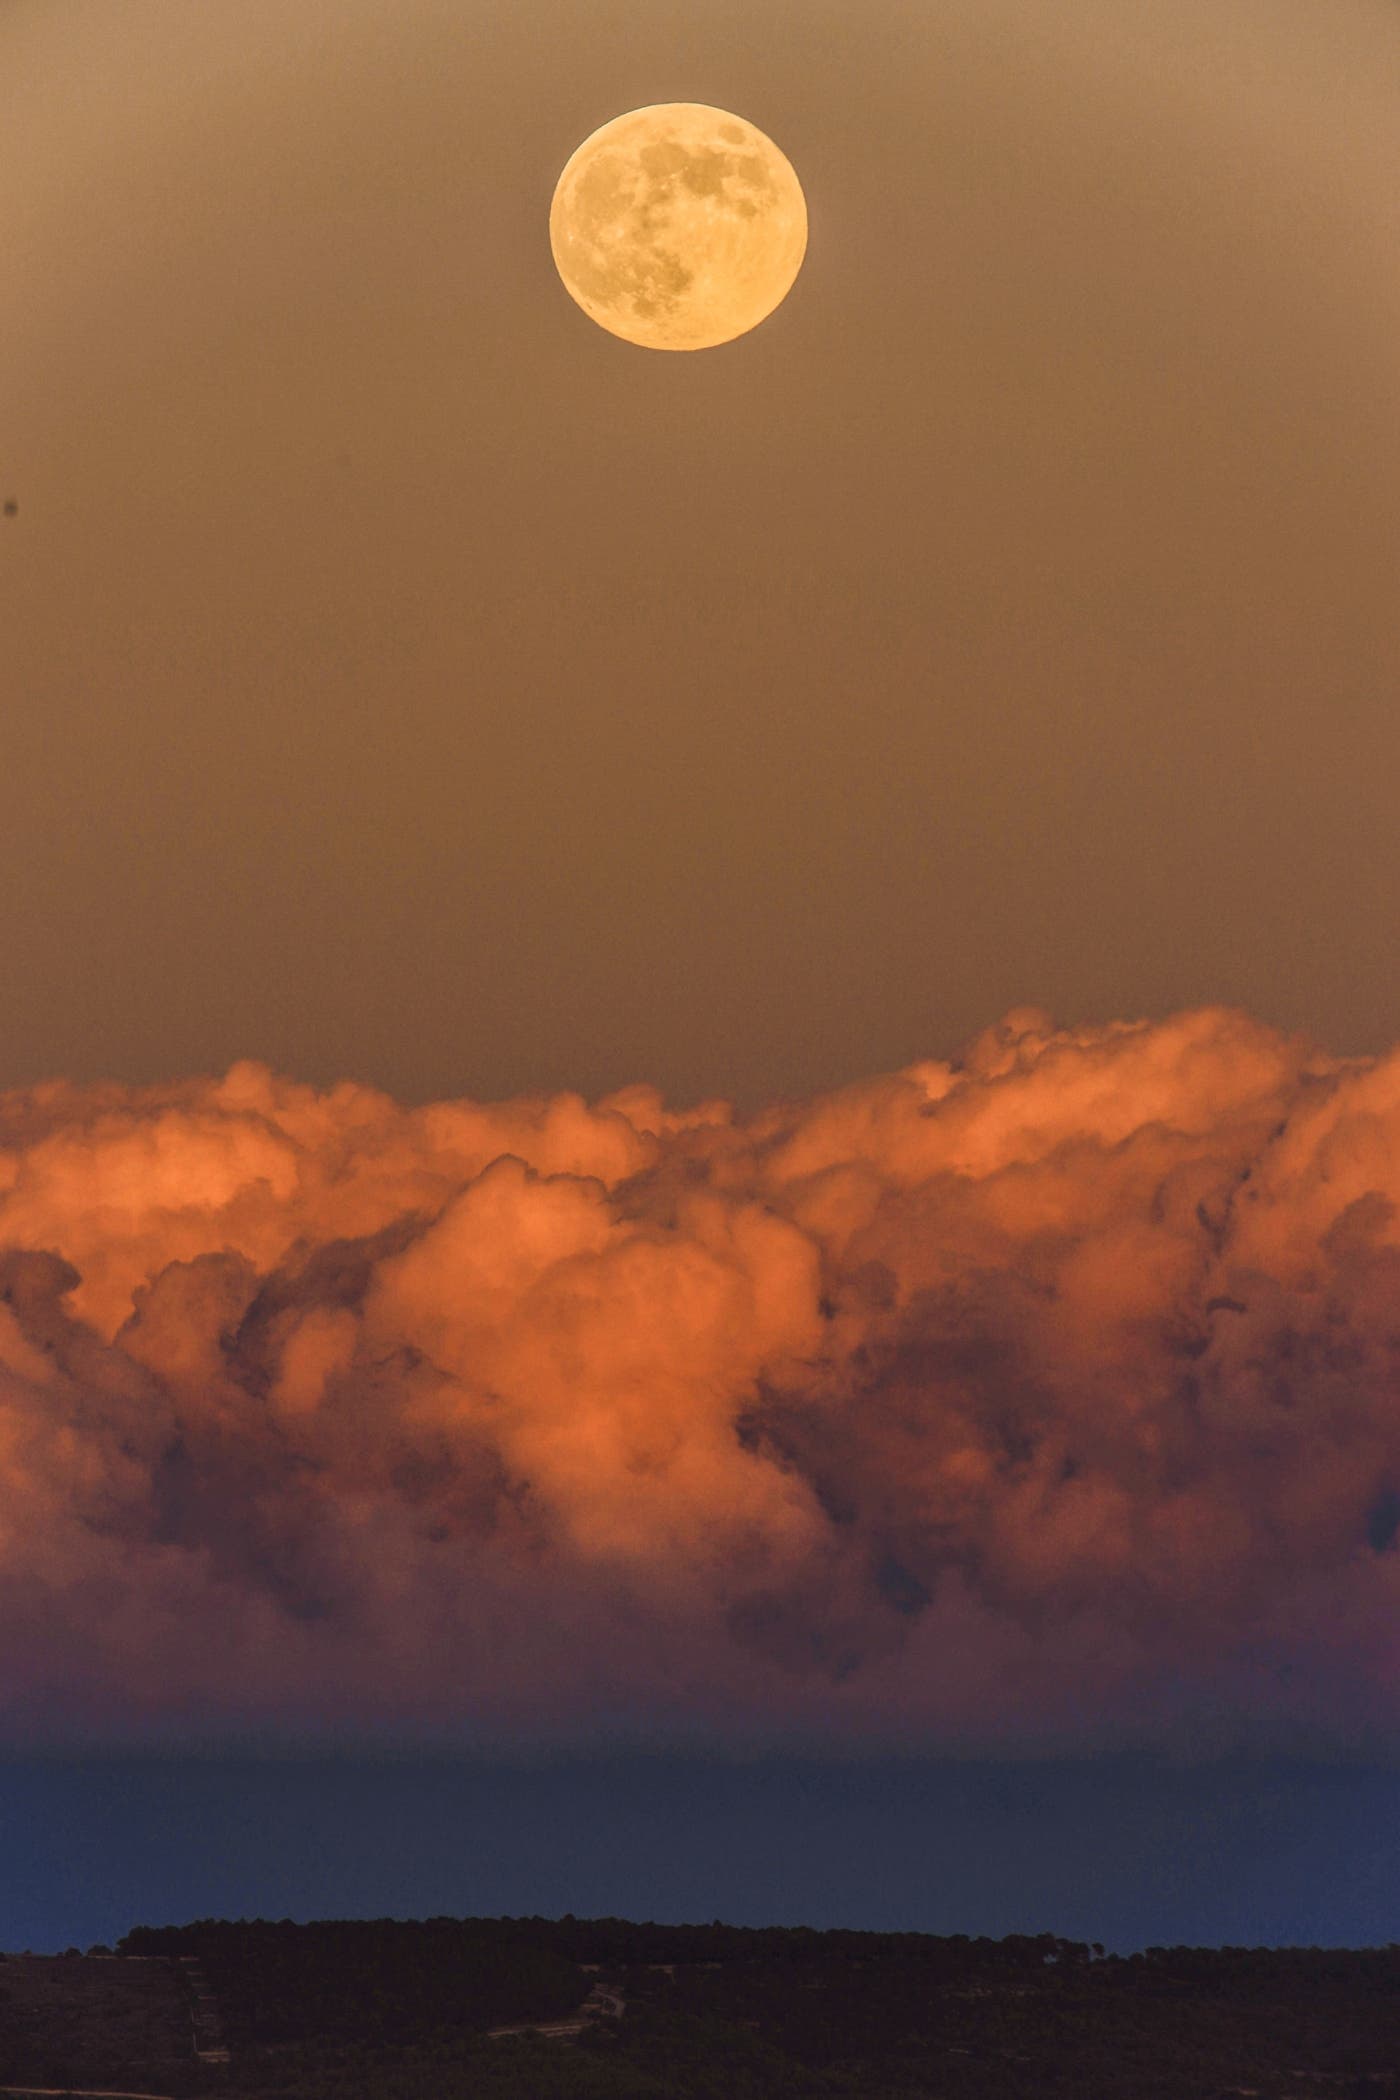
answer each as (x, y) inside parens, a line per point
(405, 679)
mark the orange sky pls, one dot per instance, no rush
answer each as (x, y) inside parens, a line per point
(404, 679)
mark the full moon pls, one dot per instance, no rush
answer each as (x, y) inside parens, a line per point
(678, 226)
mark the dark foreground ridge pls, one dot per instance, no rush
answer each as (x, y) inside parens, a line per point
(481, 2009)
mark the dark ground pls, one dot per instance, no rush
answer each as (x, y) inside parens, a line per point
(386, 2010)
(97, 2023)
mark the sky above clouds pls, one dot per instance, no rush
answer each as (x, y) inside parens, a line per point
(408, 681)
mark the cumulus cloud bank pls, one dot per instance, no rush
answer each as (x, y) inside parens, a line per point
(1046, 1396)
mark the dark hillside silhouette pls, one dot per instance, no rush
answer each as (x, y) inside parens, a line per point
(387, 2010)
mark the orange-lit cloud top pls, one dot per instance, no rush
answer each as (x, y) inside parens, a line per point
(1045, 1397)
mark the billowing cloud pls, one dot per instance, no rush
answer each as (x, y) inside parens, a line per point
(1047, 1396)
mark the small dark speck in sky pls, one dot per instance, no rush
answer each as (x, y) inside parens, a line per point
(11, 507)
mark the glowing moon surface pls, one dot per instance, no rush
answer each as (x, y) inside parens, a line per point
(678, 226)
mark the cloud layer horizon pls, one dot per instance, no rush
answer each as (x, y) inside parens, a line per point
(1044, 1399)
